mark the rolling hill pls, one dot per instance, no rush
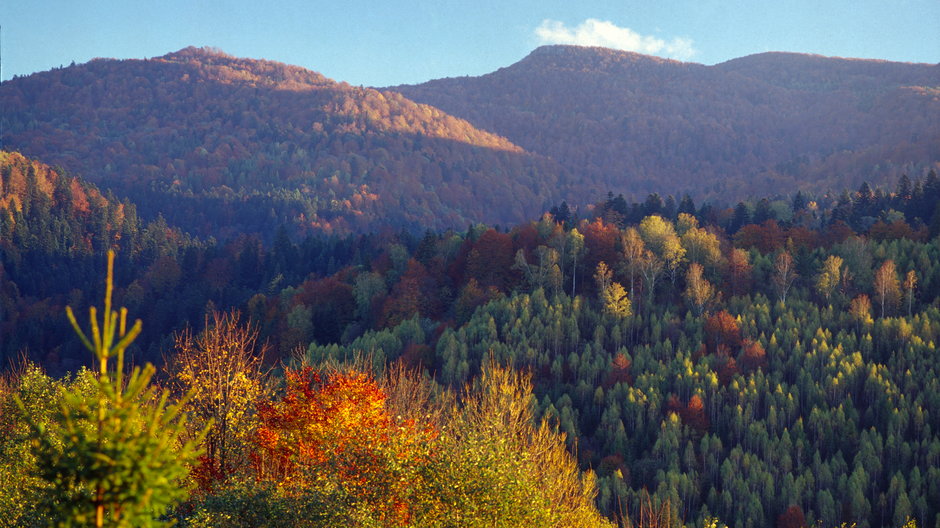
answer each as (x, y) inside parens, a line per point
(222, 145)
(763, 124)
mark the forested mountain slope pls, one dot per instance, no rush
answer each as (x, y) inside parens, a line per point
(763, 124)
(42, 209)
(53, 230)
(223, 145)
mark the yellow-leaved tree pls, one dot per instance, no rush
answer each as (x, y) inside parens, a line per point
(499, 466)
(612, 295)
(887, 287)
(698, 291)
(829, 276)
(221, 369)
(660, 237)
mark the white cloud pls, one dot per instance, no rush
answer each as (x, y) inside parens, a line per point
(593, 32)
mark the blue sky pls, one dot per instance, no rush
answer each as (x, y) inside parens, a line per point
(380, 43)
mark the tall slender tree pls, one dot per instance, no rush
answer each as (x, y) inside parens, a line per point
(784, 275)
(698, 291)
(910, 282)
(887, 286)
(221, 368)
(829, 276)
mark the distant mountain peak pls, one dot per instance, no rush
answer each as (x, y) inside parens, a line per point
(218, 65)
(806, 71)
(574, 51)
(757, 125)
(802, 59)
(590, 59)
(197, 52)
(195, 132)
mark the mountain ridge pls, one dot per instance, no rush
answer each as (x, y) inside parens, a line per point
(223, 145)
(763, 124)
(200, 130)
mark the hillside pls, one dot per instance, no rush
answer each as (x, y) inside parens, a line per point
(41, 208)
(222, 145)
(54, 228)
(763, 124)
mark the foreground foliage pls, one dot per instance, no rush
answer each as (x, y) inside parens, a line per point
(330, 447)
(111, 457)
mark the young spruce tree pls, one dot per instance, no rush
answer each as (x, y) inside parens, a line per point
(120, 460)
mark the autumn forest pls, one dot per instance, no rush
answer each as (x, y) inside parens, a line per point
(592, 288)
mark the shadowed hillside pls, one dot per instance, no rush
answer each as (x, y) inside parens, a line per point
(764, 124)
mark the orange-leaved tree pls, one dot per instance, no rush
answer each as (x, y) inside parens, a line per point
(721, 329)
(330, 436)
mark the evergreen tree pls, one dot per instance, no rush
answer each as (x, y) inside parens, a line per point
(742, 217)
(121, 463)
(687, 205)
(798, 203)
(763, 212)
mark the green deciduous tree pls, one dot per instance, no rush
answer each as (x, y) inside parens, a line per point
(500, 467)
(30, 396)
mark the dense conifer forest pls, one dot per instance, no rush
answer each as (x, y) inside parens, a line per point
(771, 362)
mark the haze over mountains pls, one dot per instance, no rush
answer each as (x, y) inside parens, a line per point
(221, 145)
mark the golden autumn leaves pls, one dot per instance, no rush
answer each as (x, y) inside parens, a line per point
(399, 451)
(220, 370)
(332, 433)
(656, 247)
(333, 446)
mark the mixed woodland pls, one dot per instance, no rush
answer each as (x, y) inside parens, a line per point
(769, 362)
